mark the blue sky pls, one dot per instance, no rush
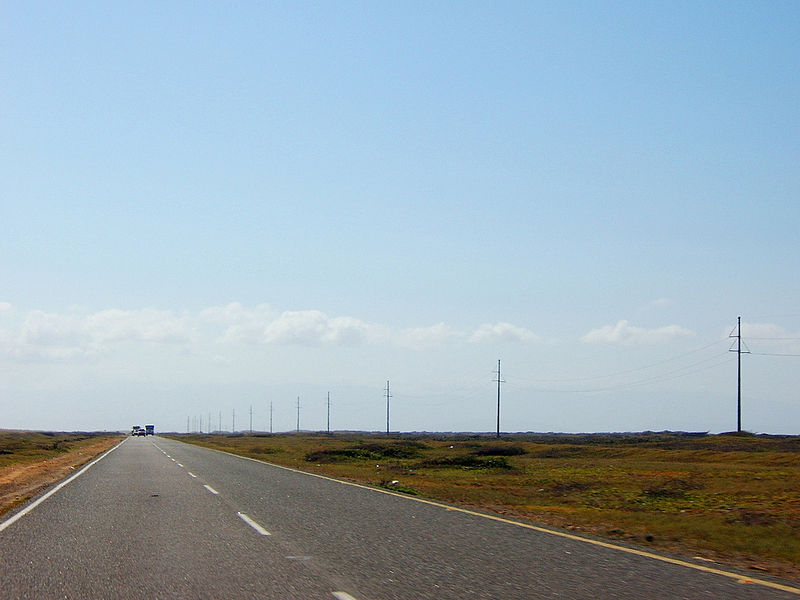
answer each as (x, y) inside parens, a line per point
(206, 207)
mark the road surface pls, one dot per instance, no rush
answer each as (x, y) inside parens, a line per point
(156, 518)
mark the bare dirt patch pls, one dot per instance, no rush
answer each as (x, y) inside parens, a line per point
(20, 482)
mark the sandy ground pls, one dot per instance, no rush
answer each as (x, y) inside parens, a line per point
(18, 483)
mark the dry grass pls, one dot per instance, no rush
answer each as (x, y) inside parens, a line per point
(31, 461)
(731, 498)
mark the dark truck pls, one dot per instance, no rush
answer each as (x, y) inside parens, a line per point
(149, 429)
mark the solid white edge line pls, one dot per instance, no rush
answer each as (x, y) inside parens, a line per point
(342, 596)
(253, 524)
(210, 489)
(570, 536)
(38, 501)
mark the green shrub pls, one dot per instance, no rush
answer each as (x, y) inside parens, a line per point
(507, 450)
(467, 461)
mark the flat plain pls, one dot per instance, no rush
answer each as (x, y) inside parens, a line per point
(729, 498)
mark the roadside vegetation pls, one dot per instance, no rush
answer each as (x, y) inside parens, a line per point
(30, 461)
(731, 498)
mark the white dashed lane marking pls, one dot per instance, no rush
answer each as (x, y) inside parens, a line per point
(253, 524)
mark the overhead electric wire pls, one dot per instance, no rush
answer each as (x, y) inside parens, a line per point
(676, 374)
(451, 397)
(616, 373)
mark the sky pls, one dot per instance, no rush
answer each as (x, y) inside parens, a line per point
(208, 207)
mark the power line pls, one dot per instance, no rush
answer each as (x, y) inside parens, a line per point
(625, 372)
(676, 374)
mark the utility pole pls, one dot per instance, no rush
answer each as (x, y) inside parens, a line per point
(251, 419)
(220, 421)
(187, 424)
(298, 414)
(388, 395)
(499, 381)
(329, 412)
(738, 351)
(270, 416)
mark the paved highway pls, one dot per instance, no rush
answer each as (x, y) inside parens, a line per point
(156, 518)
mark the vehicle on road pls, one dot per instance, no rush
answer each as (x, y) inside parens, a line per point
(149, 429)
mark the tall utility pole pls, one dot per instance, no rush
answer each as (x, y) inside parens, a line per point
(251, 419)
(739, 374)
(298, 414)
(738, 351)
(187, 424)
(270, 416)
(329, 412)
(220, 421)
(499, 381)
(388, 395)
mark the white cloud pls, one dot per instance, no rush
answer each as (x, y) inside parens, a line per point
(51, 335)
(241, 324)
(309, 327)
(502, 332)
(625, 333)
(348, 330)
(144, 325)
(72, 334)
(54, 335)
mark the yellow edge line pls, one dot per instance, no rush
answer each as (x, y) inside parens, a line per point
(569, 536)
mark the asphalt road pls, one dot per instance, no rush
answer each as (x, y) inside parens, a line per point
(156, 518)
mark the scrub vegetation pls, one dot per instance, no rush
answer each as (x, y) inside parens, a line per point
(30, 461)
(730, 498)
